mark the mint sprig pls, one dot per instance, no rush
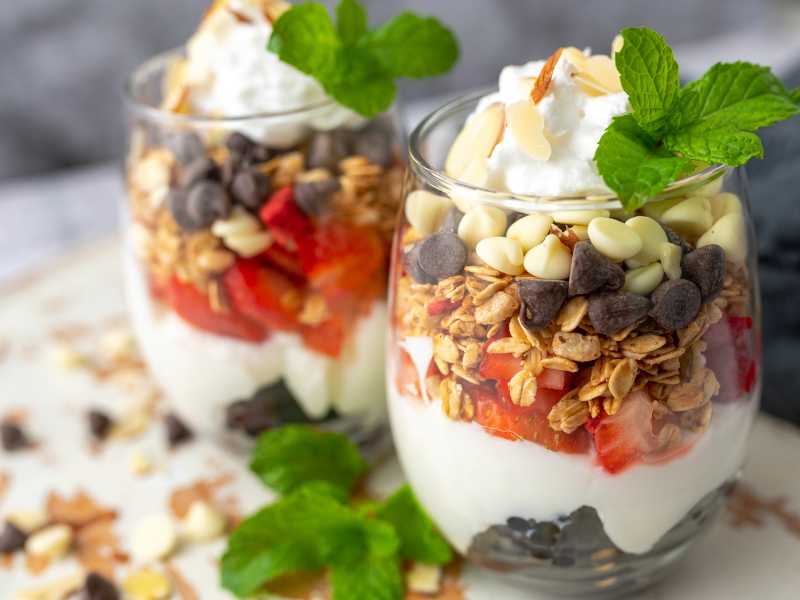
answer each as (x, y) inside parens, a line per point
(672, 131)
(312, 527)
(289, 457)
(356, 66)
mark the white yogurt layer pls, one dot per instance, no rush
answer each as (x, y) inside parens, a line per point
(574, 122)
(233, 75)
(469, 480)
(201, 373)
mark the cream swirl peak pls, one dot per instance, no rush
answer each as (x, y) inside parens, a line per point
(578, 97)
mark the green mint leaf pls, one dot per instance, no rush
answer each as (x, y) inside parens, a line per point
(716, 116)
(294, 455)
(304, 37)
(795, 95)
(419, 539)
(412, 46)
(351, 21)
(649, 75)
(376, 578)
(301, 532)
(633, 165)
(362, 84)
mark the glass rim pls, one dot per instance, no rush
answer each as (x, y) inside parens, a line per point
(158, 114)
(450, 186)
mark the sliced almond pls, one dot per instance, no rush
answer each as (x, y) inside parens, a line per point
(602, 69)
(575, 56)
(545, 79)
(617, 44)
(478, 138)
(527, 127)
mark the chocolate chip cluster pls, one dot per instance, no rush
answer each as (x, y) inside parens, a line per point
(206, 191)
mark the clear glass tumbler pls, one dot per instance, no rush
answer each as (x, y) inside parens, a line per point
(256, 260)
(572, 431)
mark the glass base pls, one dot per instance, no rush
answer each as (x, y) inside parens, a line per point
(573, 556)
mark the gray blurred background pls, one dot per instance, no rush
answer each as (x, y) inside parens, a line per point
(63, 64)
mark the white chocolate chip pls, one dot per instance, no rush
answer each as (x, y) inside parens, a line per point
(501, 253)
(549, 260)
(724, 204)
(644, 280)
(530, 230)
(28, 520)
(477, 139)
(424, 579)
(652, 235)
(203, 522)
(481, 222)
(711, 189)
(578, 217)
(250, 244)
(154, 538)
(614, 239)
(670, 256)
(527, 127)
(238, 223)
(729, 232)
(476, 173)
(425, 210)
(690, 218)
(147, 584)
(51, 542)
(654, 210)
(139, 463)
(581, 232)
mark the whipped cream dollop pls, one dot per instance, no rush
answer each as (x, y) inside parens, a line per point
(574, 122)
(231, 74)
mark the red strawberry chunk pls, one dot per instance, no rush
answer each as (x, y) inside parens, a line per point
(554, 379)
(439, 307)
(328, 337)
(284, 260)
(289, 226)
(193, 307)
(263, 294)
(626, 438)
(500, 367)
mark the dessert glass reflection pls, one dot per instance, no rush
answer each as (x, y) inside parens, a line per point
(571, 387)
(258, 226)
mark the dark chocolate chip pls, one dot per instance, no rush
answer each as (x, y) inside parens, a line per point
(250, 189)
(611, 312)
(374, 142)
(592, 272)
(314, 197)
(12, 437)
(705, 267)
(518, 524)
(206, 202)
(240, 145)
(99, 424)
(260, 154)
(676, 239)
(177, 431)
(442, 255)
(98, 587)
(12, 538)
(270, 407)
(411, 264)
(451, 221)
(198, 170)
(177, 203)
(186, 147)
(541, 299)
(326, 149)
(514, 217)
(675, 304)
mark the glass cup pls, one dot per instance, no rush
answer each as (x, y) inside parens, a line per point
(256, 260)
(573, 420)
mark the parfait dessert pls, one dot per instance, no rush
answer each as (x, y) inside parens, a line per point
(573, 363)
(262, 200)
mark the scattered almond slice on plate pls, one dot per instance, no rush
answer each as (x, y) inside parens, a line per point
(527, 127)
(545, 79)
(476, 140)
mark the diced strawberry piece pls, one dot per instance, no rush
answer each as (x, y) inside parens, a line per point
(343, 258)
(439, 307)
(554, 379)
(328, 337)
(500, 367)
(286, 261)
(263, 294)
(502, 419)
(193, 306)
(626, 438)
(289, 226)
